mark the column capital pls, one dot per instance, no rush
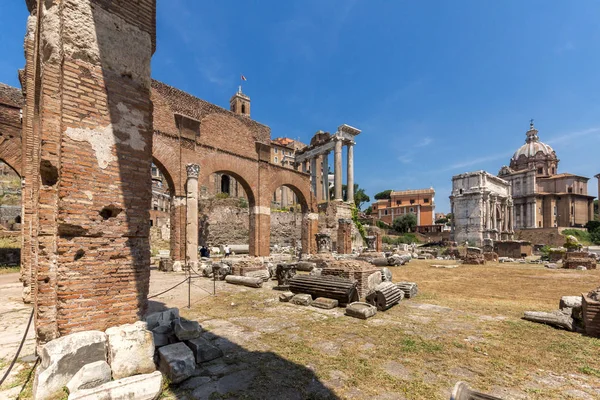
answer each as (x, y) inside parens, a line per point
(193, 170)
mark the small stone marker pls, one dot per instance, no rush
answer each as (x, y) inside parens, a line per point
(176, 361)
(301, 299)
(360, 310)
(325, 303)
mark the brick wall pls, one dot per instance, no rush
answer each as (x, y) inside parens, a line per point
(11, 103)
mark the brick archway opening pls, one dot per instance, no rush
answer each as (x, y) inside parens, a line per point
(161, 209)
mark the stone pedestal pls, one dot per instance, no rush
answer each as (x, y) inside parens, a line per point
(323, 243)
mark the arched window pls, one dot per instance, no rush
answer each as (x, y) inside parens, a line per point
(243, 109)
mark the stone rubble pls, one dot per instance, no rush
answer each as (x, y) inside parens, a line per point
(360, 310)
(130, 350)
(176, 362)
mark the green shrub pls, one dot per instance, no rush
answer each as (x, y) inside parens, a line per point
(222, 195)
(582, 236)
(407, 238)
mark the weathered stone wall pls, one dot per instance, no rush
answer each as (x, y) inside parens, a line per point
(87, 149)
(223, 221)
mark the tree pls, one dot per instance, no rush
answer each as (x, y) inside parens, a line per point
(405, 223)
(386, 194)
(441, 220)
(369, 210)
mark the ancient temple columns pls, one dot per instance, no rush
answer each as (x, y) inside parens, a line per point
(350, 172)
(191, 228)
(313, 174)
(337, 162)
(326, 176)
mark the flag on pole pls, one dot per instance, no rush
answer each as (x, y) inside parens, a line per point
(243, 77)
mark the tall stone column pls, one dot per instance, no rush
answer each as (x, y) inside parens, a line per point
(337, 161)
(326, 177)
(310, 227)
(191, 226)
(486, 201)
(284, 196)
(313, 176)
(350, 173)
(492, 213)
(88, 147)
(177, 221)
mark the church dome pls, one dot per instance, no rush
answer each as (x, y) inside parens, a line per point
(533, 146)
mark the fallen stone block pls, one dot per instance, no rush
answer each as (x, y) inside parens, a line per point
(163, 335)
(90, 376)
(386, 275)
(325, 303)
(556, 318)
(62, 358)
(244, 280)
(316, 272)
(286, 296)
(130, 350)
(380, 262)
(263, 274)
(301, 299)
(551, 266)
(162, 318)
(570, 301)
(186, 330)
(444, 266)
(385, 295)
(203, 350)
(360, 310)
(306, 266)
(410, 289)
(581, 268)
(138, 387)
(176, 361)
(396, 260)
(177, 266)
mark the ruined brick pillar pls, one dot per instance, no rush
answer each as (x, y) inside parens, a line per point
(260, 231)
(191, 227)
(87, 150)
(344, 236)
(310, 227)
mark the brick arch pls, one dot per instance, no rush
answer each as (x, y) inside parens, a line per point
(298, 182)
(249, 192)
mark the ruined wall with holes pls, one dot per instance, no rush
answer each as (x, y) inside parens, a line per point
(87, 143)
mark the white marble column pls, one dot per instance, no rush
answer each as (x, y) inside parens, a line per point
(191, 227)
(326, 177)
(284, 196)
(313, 176)
(337, 161)
(350, 173)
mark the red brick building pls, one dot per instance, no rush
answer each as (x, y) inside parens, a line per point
(419, 202)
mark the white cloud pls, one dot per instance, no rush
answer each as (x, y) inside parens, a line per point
(572, 135)
(426, 141)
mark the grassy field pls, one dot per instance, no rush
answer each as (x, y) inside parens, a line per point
(464, 325)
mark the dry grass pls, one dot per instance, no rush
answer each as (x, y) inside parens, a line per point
(465, 325)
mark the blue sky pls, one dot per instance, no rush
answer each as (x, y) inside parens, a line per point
(437, 87)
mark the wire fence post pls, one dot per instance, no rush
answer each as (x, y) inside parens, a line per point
(189, 287)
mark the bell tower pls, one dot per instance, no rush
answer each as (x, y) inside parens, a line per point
(240, 103)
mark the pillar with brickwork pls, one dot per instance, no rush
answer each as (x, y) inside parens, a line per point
(87, 155)
(344, 236)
